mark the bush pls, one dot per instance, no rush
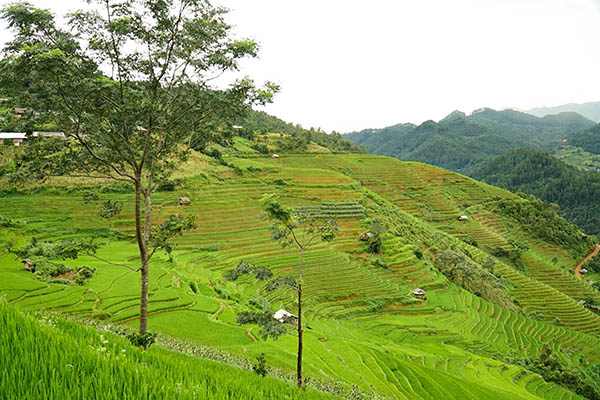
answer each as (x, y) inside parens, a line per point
(260, 368)
(143, 340)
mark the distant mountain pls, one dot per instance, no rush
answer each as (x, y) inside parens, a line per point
(588, 110)
(537, 172)
(460, 141)
(526, 130)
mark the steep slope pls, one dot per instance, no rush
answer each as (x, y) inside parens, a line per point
(366, 327)
(66, 360)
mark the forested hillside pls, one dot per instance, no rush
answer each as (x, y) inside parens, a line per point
(588, 139)
(537, 172)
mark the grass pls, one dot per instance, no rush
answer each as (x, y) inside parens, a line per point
(44, 356)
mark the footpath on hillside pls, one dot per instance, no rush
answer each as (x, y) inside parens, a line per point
(592, 254)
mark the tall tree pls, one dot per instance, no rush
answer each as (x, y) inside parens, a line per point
(301, 229)
(131, 85)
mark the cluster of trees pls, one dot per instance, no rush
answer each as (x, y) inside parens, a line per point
(130, 85)
(537, 172)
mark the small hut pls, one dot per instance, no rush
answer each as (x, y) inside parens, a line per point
(583, 303)
(463, 218)
(419, 293)
(184, 201)
(274, 155)
(583, 271)
(365, 237)
(285, 317)
(28, 265)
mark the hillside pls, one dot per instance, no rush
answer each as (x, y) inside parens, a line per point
(460, 141)
(501, 301)
(589, 110)
(537, 172)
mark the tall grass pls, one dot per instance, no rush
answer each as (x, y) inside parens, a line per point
(45, 357)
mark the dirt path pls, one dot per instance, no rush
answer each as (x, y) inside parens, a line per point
(592, 254)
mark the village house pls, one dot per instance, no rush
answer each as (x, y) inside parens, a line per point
(50, 134)
(419, 293)
(15, 137)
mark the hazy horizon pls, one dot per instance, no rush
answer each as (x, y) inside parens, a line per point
(345, 66)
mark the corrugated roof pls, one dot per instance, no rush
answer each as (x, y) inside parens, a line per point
(12, 135)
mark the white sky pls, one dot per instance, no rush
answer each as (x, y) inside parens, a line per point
(352, 64)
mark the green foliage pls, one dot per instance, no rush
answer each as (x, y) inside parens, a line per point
(174, 226)
(10, 223)
(143, 340)
(110, 209)
(246, 268)
(260, 367)
(593, 264)
(269, 326)
(61, 249)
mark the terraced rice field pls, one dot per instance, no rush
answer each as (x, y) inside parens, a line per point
(365, 327)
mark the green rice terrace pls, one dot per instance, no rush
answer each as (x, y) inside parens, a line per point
(501, 296)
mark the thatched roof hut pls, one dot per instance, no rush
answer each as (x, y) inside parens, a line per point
(420, 293)
(184, 201)
(28, 265)
(463, 218)
(583, 271)
(365, 237)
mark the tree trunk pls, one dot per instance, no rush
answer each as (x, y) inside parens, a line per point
(299, 366)
(141, 237)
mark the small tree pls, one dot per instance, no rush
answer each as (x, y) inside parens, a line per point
(130, 84)
(301, 229)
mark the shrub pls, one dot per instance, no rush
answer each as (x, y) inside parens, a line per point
(143, 340)
(260, 367)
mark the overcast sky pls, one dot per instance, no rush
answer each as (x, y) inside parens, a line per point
(352, 64)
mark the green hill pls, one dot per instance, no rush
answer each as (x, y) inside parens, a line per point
(459, 141)
(501, 318)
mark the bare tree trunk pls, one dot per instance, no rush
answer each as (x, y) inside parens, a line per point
(142, 241)
(299, 366)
